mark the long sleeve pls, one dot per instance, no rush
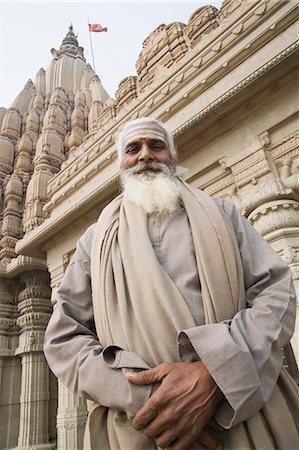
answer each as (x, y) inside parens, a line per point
(244, 354)
(72, 348)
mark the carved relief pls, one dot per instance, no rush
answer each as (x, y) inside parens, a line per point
(290, 174)
(258, 192)
(126, 91)
(202, 21)
(78, 130)
(275, 215)
(12, 123)
(164, 46)
(108, 112)
(295, 274)
(37, 195)
(288, 254)
(7, 150)
(11, 222)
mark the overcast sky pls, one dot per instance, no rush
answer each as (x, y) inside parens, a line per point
(29, 29)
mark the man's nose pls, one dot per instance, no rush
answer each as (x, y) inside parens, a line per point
(145, 153)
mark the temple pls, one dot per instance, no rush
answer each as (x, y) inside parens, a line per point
(226, 84)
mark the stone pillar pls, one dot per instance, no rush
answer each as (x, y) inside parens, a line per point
(10, 367)
(72, 413)
(278, 221)
(34, 308)
(71, 419)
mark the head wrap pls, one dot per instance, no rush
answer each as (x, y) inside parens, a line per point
(144, 127)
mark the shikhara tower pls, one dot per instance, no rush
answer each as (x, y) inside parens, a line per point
(225, 84)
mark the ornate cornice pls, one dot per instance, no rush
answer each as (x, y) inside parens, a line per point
(244, 83)
(21, 264)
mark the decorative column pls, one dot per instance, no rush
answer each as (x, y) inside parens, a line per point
(72, 414)
(34, 308)
(10, 367)
(71, 419)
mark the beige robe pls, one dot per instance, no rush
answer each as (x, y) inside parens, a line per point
(245, 388)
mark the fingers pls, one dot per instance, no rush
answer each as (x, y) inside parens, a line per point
(209, 441)
(146, 415)
(150, 376)
(162, 423)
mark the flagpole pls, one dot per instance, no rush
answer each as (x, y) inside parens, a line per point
(92, 55)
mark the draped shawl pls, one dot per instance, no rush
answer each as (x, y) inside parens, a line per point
(138, 308)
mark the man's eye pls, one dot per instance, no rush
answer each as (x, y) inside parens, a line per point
(132, 149)
(158, 146)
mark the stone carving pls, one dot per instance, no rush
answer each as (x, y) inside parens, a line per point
(202, 21)
(259, 192)
(108, 112)
(126, 91)
(295, 275)
(35, 309)
(265, 139)
(98, 98)
(3, 111)
(7, 150)
(11, 221)
(289, 174)
(37, 195)
(228, 6)
(12, 123)
(24, 155)
(164, 46)
(78, 130)
(22, 101)
(288, 254)
(275, 215)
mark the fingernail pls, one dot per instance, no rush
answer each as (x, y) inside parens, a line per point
(131, 374)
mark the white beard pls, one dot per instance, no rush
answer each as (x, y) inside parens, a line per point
(152, 186)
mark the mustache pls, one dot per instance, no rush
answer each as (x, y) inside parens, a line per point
(150, 166)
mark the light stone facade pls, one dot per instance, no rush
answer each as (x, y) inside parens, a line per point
(226, 84)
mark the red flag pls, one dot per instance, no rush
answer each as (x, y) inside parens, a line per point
(96, 27)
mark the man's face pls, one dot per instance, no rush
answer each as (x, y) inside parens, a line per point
(144, 143)
(145, 150)
(147, 168)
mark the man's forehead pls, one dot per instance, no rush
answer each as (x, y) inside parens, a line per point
(141, 131)
(143, 139)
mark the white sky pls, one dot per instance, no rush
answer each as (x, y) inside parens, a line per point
(29, 29)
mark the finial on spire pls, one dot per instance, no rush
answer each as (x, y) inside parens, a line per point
(69, 45)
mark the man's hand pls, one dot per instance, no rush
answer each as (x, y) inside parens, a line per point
(178, 410)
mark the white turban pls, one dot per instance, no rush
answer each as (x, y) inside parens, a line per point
(144, 127)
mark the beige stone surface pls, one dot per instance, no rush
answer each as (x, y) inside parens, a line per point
(226, 84)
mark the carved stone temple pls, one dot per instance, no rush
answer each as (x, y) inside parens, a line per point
(226, 84)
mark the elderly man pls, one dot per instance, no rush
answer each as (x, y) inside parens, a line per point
(171, 317)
